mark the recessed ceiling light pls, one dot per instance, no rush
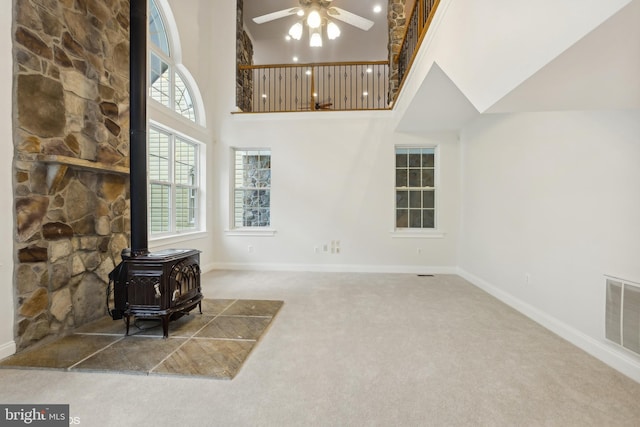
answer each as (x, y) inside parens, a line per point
(264, 95)
(300, 12)
(365, 93)
(308, 72)
(369, 70)
(295, 59)
(377, 8)
(287, 37)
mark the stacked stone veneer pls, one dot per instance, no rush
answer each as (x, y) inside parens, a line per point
(71, 109)
(244, 51)
(397, 20)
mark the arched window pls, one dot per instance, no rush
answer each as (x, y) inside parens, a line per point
(167, 85)
(174, 153)
(157, 32)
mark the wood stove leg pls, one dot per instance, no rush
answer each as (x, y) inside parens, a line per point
(127, 323)
(200, 306)
(165, 326)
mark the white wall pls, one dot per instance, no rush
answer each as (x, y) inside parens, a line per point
(333, 179)
(554, 195)
(7, 345)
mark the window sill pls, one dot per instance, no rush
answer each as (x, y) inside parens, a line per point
(261, 232)
(176, 238)
(418, 234)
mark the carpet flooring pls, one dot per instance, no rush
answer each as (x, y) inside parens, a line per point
(213, 344)
(357, 349)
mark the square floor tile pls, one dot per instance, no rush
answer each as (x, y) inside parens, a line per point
(207, 357)
(253, 308)
(131, 354)
(184, 327)
(105, 325)
(235, 327)
(62, 353)
(223, 345)
(213, 307)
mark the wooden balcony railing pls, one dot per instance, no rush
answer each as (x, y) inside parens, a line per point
(417, 26)
(314, 87)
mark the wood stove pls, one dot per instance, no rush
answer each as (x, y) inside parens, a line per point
(163, 284)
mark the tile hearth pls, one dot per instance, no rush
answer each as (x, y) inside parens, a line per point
(214, 344)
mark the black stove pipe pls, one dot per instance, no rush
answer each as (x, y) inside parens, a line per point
(137, 154)
(138, 126)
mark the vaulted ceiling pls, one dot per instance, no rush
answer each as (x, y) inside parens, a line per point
(270, 46)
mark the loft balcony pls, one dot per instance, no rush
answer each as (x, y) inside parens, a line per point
(348, 85)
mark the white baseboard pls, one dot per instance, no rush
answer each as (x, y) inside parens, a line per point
(7, 349)
(334, 268)
(207, 268)
(612, 355)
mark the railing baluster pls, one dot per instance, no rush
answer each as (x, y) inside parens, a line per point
(417, 27)
(337, 86)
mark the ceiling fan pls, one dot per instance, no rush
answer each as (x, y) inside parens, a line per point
(313, 10)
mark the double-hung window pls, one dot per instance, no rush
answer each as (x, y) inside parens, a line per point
(173, 178)
(252, 188)
(415, 188)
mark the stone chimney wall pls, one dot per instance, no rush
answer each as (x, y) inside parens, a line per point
(244, 52)
(71, 159)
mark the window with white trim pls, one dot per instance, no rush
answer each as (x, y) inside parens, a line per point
(252, 188)
(174, 158)
(173, 180)
(166, 85)
(415, 188)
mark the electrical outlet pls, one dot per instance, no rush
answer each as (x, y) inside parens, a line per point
(250, 249)
(316, 249)
(418, 251)
(527, 278)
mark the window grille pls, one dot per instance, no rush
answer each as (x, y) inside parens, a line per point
(415, 188)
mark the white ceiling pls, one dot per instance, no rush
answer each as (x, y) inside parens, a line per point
(270, 46)
(601, 71)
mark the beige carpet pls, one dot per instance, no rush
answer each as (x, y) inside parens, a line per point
(361, 350)
(213, 344)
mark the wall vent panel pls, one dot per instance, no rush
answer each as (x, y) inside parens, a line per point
(631, 318)
(614, 313)
(622, 324)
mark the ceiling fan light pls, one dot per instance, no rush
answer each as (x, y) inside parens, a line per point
(333, 31)
(296, 31)
(314, 20)
(315, 38)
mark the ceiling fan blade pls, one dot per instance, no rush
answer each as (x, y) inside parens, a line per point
(350, 18)
(275, 15)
